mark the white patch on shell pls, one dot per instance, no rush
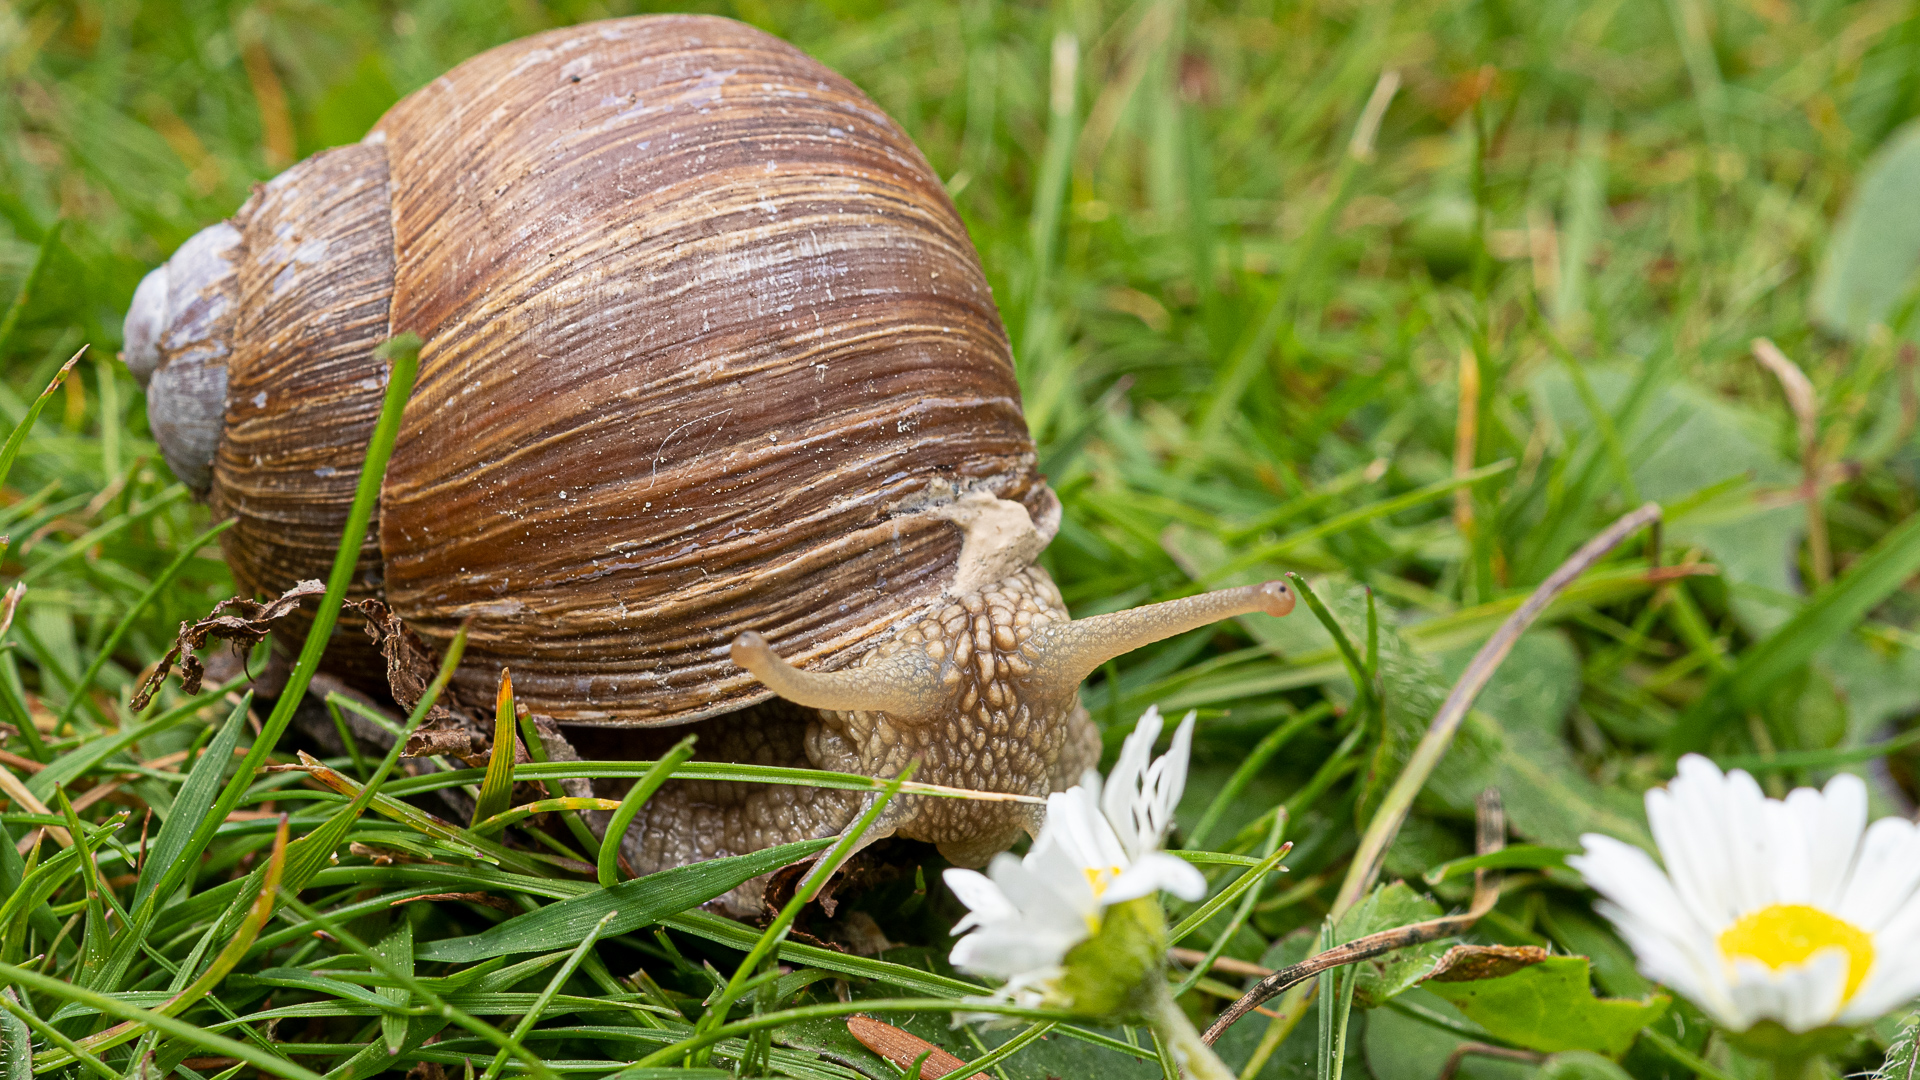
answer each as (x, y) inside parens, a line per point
(1000, 539)
(146, 320)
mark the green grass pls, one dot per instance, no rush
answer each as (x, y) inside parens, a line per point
(1242, 336)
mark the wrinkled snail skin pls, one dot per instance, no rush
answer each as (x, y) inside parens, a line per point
(713, 403)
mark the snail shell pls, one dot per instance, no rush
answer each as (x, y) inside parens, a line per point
(702, 330)
(709, 363)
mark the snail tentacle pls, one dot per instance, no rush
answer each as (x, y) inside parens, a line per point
(905, 684)
(1069, 652)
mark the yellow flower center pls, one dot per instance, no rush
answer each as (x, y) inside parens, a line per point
(1785, 934)
(1098, 880)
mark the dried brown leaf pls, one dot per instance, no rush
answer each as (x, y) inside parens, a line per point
(902, 1048)
(249, 624)
(1471, 963)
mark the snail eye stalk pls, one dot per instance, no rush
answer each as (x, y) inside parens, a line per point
(908, 683)
(905, 684)
(1072, 651)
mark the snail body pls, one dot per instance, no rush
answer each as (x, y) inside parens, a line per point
(708, 363)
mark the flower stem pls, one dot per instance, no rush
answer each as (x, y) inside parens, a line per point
(1195, 1057)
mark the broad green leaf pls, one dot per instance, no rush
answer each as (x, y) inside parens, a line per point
(1685, 441)
(1385, 977)
(1903, 1053)
(1414, 1036)
(1581, 1065)
(1869, 265)
(1550, 1007)
(640, 901)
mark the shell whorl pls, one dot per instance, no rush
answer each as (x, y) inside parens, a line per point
(178, 336)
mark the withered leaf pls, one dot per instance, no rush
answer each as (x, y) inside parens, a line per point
(251, 622)
(1471, 963)
(411, 667)
(902, 1048)
(443, 735)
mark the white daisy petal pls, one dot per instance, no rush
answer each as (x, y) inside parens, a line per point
(1836, 822)
(1123, 785)
(1789, 856)
(1155, 872)
(985, 902)
(1884, 875)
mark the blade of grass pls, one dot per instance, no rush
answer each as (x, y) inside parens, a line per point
(93, 752)
(1356, 667)
(190, 806)
(403, 354)
(1263, 751)
(537, 750)
(1394, 807)
(1275, 851)
(53, 1035)
(1833, 612)
(630, 805)
(18, 307)
(18, 438)
(541, 806)
(1214, 904)
(1340, 523)
(92, 537)
(223, 963)
(643, 900)
(397, 947)
(496, 791)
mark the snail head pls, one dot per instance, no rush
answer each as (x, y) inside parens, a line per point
(983, 688)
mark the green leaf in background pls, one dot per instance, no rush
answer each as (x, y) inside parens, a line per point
(640, 901)
(1513, 741)
(1387, 976)
(1550, 1007)
(1869, 266)
(1834, 612)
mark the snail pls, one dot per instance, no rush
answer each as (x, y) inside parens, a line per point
(715, 422)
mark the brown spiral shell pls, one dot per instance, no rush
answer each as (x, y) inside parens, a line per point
(703, 335)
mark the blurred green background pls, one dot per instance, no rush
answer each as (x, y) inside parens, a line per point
(1406, 297)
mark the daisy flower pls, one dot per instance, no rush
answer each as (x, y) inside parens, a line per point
(1099, 847)
(1794, 911)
